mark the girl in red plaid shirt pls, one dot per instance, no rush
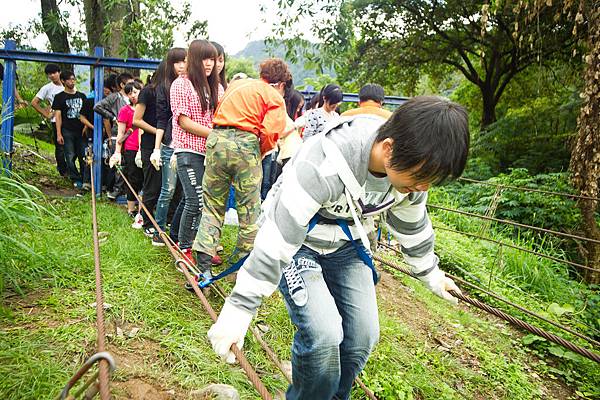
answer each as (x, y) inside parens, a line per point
(194, 97)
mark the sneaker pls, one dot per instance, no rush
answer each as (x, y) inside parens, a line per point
(219, 249)
(113, 195)
(189, 257)
(157, 241)
(78, 185)
(86, 186)
(138, 221)
(216, 260)
(149, 232)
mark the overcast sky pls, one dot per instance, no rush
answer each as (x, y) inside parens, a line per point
(233, 23)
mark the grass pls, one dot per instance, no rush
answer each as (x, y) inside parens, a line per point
(428, 349)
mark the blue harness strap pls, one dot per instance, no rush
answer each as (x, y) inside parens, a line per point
(360, 249)
(207, 281)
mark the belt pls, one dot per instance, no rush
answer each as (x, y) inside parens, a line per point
(328, 221)
(226, 127)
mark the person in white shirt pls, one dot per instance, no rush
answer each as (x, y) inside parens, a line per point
(46, 94)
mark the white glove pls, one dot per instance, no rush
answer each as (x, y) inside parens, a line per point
(173, 161)
(115, 159)
(138, 159)
(155, 159)
(230, 328)
(440, 284)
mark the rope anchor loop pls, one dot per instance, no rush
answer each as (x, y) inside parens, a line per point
(103, 355)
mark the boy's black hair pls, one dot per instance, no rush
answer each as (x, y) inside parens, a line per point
(371, 91)
(131, 85)
(111, 83)
(51, 68)
(66, 75)
(123, 78)
(431, 136)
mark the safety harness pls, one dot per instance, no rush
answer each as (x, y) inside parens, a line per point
(355, 195)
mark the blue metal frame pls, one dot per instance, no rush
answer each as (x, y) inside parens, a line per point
(8, 109)
(10, 54)
(353, 98)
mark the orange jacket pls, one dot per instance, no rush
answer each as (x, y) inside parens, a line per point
(255, 106)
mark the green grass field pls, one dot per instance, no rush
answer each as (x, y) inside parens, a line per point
(157, 330)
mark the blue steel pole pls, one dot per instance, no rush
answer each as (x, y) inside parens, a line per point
(8, 109)
(98, 91)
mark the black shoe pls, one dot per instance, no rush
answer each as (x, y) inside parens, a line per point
(157, 241)
(114, 194)
(149, 232)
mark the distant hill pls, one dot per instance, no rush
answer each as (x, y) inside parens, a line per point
(257, 51)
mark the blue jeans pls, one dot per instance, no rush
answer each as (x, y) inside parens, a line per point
(336, 320)
(167, 189)
(269, 170)
(190, 171)
(74, 150)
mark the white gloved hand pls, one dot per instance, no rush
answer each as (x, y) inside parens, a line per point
(173, 161)
(115, 159)
(138, 159)
(230, 328)
(440, 284)
(155, 159)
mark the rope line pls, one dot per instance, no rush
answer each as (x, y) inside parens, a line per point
(517, 224)
(515, 247)
(103, 375)
(185, 267)
(525, 189)
(515, 305)
(500, 314)
(180, 260)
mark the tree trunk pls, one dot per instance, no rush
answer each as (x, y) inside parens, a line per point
(51, 23)
(585, 157)
(94, 22)
(488, 115)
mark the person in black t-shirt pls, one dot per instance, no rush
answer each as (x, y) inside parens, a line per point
(145, 119)
(68, 105)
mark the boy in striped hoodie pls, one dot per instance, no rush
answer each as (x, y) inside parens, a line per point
(312, 242)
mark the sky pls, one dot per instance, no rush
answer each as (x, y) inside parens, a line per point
(233, 23)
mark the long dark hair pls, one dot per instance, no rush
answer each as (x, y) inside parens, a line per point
(158, 76)
(330, 93)
(292, 102)
(205, 86)
(174, 55)
(222, 75)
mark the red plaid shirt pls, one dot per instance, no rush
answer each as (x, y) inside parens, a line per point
(185, 101)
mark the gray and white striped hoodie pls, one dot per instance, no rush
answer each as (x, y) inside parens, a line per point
(310, 184)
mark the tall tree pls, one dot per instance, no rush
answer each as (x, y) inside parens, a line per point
(585, 157)
(54, 26)
(398, 40)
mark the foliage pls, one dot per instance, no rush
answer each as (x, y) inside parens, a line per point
(538, 209)
(390, 42)
(240, 64)
(300, 66)
(149, 34)
(22, 207)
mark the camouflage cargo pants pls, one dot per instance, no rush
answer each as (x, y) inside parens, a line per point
(232, 157)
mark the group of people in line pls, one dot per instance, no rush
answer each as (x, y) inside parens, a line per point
(306, 185)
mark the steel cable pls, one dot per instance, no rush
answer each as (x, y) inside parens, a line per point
(103, 375)
(517, 224)
(517, 306)
(184, 266)
(524, 189)
(179, 257)
(513, 320)
(512, 246)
